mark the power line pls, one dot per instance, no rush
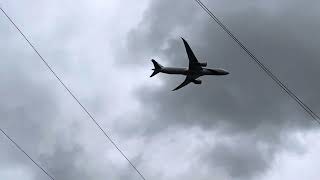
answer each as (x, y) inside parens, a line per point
(74, 97)
(24, 152)
(261, 65)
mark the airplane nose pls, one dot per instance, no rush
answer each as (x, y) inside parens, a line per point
(218, 72)
(224, 72)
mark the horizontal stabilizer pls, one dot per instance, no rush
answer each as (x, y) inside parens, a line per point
(156, 64)
(154, 73)
(157, 67)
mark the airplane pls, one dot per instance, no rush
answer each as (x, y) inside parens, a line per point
(195, 70)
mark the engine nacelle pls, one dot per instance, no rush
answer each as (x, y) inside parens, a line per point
(197, 81)
(203, 64)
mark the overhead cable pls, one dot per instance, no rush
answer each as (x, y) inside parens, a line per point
(25, 153)
(261, 65)
(73, 96)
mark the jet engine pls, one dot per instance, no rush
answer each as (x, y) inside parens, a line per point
(203, 64)
(197, 81)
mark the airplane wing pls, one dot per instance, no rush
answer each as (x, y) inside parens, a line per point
(193, 62)
(188, 80)
(184, 83)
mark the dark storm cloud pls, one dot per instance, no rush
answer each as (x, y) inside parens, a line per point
(245, 107)
(235, 159)
(148, 39)
(246, 102)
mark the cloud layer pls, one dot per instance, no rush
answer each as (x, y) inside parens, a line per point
(245, 107)
(231, 127)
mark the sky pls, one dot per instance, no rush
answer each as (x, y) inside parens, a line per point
(237, 127)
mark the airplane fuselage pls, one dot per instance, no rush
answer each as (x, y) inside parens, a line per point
(192, 73)
(186, 71)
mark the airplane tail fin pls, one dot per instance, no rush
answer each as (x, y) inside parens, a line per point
(157, 67)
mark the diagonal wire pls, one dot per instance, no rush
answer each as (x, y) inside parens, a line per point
(74, 97)
(261, 65)
(25, 153)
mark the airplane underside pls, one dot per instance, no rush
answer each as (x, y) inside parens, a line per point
(195, 70)
(204, 71)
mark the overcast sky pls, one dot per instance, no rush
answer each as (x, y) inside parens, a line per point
(236, 127)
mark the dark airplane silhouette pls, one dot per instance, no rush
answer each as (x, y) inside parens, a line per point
(195, 70)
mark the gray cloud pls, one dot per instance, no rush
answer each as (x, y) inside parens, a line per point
(38, 113)
(246, 102)
(205, 132)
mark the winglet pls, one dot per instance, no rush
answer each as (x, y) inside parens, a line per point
(185, 43)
